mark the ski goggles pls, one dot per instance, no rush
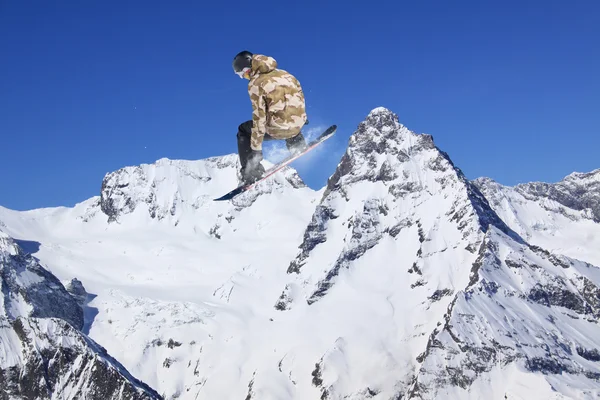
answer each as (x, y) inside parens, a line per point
(245, 73)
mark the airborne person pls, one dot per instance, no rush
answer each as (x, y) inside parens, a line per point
(278, 111)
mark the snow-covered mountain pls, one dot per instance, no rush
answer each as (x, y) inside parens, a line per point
(43, 355)
(402, 240)
(176, 277)
(563, 217)
(170, 189)
(397, 280)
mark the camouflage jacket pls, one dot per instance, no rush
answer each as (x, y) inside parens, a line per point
(277, 101)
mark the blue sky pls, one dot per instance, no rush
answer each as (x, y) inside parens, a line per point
(509, 89)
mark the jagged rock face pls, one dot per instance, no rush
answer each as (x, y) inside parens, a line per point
(391, 179)
(562, 217)
(523, 306)
(47, 358)
(578, 191)
(471, 286)
(76, 289)
(166, 189)
(396, 210)
(381, 150)
(29, 290)
(157, 186)
(43, 354)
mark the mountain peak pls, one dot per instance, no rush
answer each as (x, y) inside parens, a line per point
(484, 180)
(392, 180)
(382, 119)
(383, 124)
(168, 187)
(578, 191)
(381, 111)
(560, 216)
(376, 150)
(587, 177)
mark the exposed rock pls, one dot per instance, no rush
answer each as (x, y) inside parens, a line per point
(60, 362)
(578, 191)
(26, 285)
(43, 354)
(76, 289)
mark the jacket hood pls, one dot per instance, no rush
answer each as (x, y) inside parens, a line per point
(263, 64)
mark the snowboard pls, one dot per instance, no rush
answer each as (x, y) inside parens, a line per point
(310, 146)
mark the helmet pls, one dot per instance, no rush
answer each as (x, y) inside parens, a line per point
(242, 61)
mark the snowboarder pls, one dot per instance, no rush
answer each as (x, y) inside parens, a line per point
(278, 111)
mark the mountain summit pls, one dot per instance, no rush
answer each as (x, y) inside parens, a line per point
(171, 188)
(391, 179)
(563, 216)
(401, 232)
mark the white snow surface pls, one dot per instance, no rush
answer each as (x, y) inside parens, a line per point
(42, 352)
(342, 293)
(546, 222)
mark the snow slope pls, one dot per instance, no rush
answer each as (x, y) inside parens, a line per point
(397, 280)
(174, 276)
(523, 310)
(563, 217)
(392, 248)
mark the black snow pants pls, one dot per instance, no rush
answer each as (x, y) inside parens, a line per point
(293, 144)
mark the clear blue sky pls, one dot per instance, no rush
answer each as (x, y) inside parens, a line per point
(509, 89)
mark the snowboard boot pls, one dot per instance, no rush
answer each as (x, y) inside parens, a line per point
(251, 175)
(296, 144)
